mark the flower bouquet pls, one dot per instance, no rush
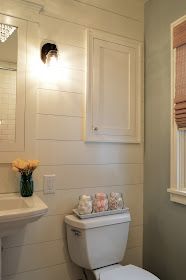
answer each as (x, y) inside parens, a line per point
(25, 168)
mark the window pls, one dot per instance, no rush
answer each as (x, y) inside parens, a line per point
(177, 188)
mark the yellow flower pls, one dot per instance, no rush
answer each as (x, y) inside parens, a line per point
(15, 163)
(24, 165)
(15, 168)
(33, 164)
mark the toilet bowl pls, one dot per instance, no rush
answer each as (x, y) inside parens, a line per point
(119, 272)
(98, 245)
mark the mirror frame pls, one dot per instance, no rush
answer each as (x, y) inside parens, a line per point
(19, 144)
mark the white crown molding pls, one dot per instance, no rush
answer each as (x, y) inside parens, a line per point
(28, 10)
(37, 6)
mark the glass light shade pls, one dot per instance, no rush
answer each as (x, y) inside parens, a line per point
(51, 58)
(5, 31)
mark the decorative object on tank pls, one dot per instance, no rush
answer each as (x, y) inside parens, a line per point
(85, 204)
(100, 202)
(115, 201)
(25, 168)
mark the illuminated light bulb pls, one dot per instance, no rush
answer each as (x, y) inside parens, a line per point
(52, 58)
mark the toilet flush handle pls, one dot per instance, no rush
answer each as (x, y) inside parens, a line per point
(76, 232)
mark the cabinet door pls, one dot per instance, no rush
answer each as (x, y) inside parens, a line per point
(113, 88)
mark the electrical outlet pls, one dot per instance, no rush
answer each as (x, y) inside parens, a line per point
(49, 184)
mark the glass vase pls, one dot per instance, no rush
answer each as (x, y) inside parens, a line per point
(100, 202)
(26, 185)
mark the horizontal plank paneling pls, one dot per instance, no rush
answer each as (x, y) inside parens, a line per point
(61, 78)
(68, 33)
(135, 238)
(61, 103)
(133, 198)
(30, 257)
(133, 256)
(127, 8)
(59, 127)
(70, 152)
(51, 228)
(47, 228)
(9, 180)
(72, 57)
(81, 176)
(66, 271)
(63, 201)
(90, 16)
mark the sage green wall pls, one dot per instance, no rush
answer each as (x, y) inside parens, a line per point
(164, 221)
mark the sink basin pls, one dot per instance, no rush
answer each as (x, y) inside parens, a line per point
(17, 211)
(11, 203)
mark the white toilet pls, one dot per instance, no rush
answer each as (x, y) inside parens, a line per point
(98, 244)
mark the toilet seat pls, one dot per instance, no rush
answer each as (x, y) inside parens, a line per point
(128, 272)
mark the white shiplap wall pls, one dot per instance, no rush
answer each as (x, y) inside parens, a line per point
(39, 251)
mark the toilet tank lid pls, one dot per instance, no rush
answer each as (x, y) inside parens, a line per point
(74, 221)
(128, 272)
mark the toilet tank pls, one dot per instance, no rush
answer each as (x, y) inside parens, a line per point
(97, 242)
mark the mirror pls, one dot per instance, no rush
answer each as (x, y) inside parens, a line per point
(13, 54)
(8, 78)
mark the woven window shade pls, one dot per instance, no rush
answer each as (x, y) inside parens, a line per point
(179, 42)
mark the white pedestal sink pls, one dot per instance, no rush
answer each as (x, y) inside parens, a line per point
(17, 211)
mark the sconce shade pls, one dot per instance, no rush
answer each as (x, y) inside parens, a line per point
(49, 51)
(51, 57)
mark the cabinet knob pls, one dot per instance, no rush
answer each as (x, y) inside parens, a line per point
(95, 128)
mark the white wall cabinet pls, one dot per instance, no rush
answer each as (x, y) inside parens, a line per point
(113, 88)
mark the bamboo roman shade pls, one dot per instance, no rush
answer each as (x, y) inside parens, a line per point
(179, 43)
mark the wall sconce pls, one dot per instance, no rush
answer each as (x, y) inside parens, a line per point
(49, 54)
